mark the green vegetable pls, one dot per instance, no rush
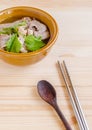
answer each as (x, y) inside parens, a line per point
(23, 23)
(9, 30)
(14, 29)
(13, 44)
(16, 46)
(33, 43)
(10, 42)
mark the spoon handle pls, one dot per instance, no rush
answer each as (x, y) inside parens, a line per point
(62, 117)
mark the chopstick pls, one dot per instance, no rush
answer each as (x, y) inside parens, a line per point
(73, 97)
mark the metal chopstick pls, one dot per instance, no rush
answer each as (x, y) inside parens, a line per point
(73, 97)
(77, 101)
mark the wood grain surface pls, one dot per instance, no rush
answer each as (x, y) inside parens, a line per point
(20, 105)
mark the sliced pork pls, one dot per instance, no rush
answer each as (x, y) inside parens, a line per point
(3, 39)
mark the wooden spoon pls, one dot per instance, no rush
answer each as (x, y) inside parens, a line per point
(48, 94)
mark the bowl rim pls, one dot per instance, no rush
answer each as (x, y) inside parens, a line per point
(49, 43)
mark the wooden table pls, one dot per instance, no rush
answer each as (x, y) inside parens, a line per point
(20, 105)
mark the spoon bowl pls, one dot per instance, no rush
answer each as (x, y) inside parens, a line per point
(48, 94)
(46, 91)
